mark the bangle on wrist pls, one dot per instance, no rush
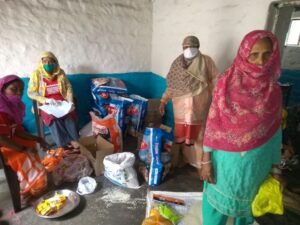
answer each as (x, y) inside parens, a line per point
(206, 162)
(276, 170)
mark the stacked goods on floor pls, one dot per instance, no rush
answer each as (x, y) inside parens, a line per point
(111, 100)
(177, 208)
(155, 155)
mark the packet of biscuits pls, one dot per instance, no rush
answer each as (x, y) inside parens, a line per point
(51, 205)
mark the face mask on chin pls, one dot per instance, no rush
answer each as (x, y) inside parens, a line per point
(190, 53)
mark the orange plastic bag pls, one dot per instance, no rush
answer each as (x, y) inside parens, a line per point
(110, 128)
(52, 159)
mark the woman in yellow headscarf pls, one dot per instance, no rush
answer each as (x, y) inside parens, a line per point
(49, 85)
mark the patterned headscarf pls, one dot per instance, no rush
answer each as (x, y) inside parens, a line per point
(41, 69)
(187, 76)
(246, 107)
(191, 41)
(13, 105)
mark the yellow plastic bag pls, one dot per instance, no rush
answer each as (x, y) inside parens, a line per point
(268, 199)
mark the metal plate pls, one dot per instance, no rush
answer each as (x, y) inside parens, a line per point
(73, 200)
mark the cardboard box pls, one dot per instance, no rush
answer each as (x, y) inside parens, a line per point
(153, 117)
(95, 149)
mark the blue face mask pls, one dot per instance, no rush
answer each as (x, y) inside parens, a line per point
(49, 67)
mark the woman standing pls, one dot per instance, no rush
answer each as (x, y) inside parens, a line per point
(189, 84)
(16, 145)
(242, 141)
(49, 85)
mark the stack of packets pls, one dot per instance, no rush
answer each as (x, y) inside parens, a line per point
(176, 208)
(155, 155)
(111, 99)
(51, 205)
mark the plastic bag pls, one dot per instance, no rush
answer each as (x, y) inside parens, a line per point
(118, 168)
(86, 185)
(108, 129)
(155, 154)
(52, 159)
(71, 168)
(156, 219)
(268, 199)
(136, 113)
(108, 85)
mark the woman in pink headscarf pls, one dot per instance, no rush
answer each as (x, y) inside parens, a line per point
(242, 140)
(16, 145)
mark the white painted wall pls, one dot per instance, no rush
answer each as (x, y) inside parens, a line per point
(87, 36)
(219, 24)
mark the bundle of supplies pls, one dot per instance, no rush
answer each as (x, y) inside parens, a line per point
(119, 169)
(155, 154)
(111, 98)
(71, 168)
(108, 98)
(136, 112)
(180, 208)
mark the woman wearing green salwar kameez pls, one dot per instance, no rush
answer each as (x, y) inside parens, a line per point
(242, 140)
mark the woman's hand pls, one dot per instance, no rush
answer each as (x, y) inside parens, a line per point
(207, 173)
(161, 108)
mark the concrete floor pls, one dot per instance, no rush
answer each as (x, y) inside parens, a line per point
(113, 205)
(108, 205)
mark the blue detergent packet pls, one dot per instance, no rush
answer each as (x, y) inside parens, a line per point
(108, 85)
(102, 89)
(117, 107)
(136, 112)
(153, 144)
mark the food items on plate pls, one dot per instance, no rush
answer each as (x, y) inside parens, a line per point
(52, 204)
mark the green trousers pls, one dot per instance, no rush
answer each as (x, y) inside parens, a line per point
(213, 217)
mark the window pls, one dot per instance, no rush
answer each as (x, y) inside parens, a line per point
(293, 36)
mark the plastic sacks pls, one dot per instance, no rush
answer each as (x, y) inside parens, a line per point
(268, 199)
(52, 159)
(156, 219)
(154, 152)
(118, 168)
(108, 85)
(86, 185)
(136, 113)
(108, 129)
(71, 168)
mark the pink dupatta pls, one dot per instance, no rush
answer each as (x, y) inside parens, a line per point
(13, 105)
(246, 107)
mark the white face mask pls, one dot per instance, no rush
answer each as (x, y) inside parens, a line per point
(190, 52)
